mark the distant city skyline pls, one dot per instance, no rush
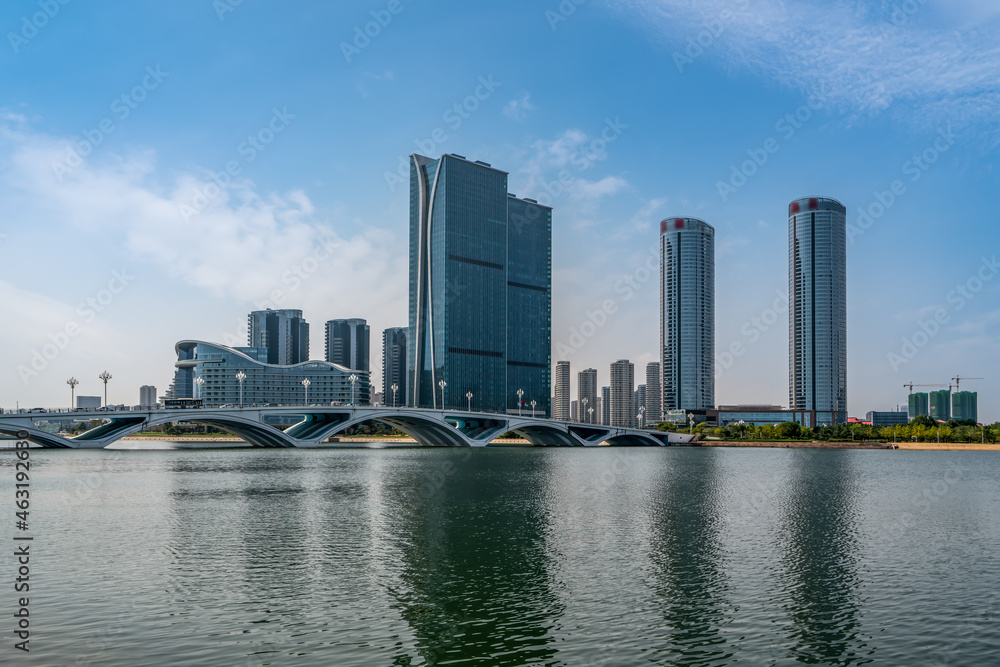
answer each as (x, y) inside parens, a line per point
(117, 244)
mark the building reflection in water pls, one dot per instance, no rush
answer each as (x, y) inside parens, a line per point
(819, 566)
(689, 563)
(474, 582)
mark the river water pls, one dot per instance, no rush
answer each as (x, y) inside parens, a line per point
(596, 556)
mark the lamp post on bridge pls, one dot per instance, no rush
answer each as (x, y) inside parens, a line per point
(642, 416)
(691, 422)
(306, 383)
(240, 377)
(583, 407)
(533, 404)
(442, 384)
(353, 378)
(72, 382)
(198, 382)
(468, 395)
(520, 393)
(105, 376)
(590, 411)
(395, 388)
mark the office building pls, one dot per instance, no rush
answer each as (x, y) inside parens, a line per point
(965, 406)
(586, 389)
(480, 289)
(348, 344)
(208, 371)
(283, 333)
(606, 406)
(88, 402)
(640, 404)
(599, 410)
(755, 415)
(876, 418)
(817, 314)
(940, 404)
(919, 404)
(574, 410)
(560, 406)
(687, 313)
(623, 393)
(147, 396)
(394, 346)
(654, 392)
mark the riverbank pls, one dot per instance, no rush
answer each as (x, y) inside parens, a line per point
(918, 446)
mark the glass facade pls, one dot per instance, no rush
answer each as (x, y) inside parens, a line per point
(283, 333)
(480, 289)
(586, 386)
(817, 316)
(217, 367)
(348, 344)
(687, 313)
(394, 348)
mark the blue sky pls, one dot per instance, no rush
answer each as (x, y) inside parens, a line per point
(116, 244)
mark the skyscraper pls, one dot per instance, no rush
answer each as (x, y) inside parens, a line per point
(394, 366)
(687, 314)
(940, 404)
(918, 405)
(965, 406)
(348, 344)
(606, 406)
(640, 403)
(586, 389)
(560, 409)
(622, 393)
(817, 314)
(480, 288)
(283, 333)
(147, 396)
(654, 405)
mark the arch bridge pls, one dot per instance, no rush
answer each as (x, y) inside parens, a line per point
(315, 424)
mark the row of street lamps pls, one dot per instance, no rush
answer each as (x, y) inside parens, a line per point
(73, 382)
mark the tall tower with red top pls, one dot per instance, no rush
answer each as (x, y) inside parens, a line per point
(687, 314)
(817, 312)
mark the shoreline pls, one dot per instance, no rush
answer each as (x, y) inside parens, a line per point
(912, 446)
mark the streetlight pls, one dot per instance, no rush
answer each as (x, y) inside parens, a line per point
(72, 382)
(533, 404)
(691, 422)
(395, 388)
(642, 416)
(583, 409)
(468, 395)
(520, 393)
(442, 384)
(306, 383)
(199, 381)
(353, 378)
(105, 376)
(591, 413)
(240, 377)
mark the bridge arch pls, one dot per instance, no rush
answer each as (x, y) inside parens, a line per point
(37, 436)
(426, 430)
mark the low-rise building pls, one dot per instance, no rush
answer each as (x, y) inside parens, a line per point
(876, 418)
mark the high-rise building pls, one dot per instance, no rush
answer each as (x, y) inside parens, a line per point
(147, 396)
(574, 409)
(639, 403)
(480, 288)
(606, 406)
(817, 315)
(394, 373)
(560, 408)
(586, 390)
(918, 405)
(348, 344)
(687, 314)
(940, 404)
(599, 410)
(622, 393)
(654, 405)
(965, 406)
(283, 333)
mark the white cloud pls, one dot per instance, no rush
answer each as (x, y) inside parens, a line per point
(518, 108)
(865, 60)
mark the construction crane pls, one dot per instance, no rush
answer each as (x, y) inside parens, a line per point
(958, 380)
(911, 386)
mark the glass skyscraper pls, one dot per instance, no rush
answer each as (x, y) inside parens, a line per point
(817, 314)
(687, 314)
(283, 333)
(480, 289)
(394, 368)
(348, 343)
